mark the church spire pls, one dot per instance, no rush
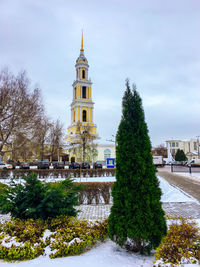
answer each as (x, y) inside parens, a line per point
(82, 43)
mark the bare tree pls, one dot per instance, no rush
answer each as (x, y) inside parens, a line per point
(56, 140)
(20, 110)
(160, 150)
(42, 135)
(84, 141)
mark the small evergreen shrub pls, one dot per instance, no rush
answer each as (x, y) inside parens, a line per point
(73, 237)
(66, 236)
(33, 199)
(181, 244)
(180, 155)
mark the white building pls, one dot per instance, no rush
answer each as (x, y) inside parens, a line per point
(105, 151)
(190, 147)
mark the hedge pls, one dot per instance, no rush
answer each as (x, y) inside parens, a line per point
(56, 173)
(95, 192)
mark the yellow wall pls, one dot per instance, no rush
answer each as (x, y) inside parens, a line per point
(78, 113)
(90, 114)
(78, 91)
(89, 92)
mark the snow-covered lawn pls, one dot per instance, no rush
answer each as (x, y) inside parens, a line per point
(107, 254)
(173, 194)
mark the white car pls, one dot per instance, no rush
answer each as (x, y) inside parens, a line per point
(5, 166)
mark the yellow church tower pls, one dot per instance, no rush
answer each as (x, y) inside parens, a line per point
(82, 105)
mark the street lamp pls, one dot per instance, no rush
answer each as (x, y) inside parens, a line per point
(198, 145)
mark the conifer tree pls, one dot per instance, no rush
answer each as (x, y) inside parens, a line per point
(180, 155)
(137, 220)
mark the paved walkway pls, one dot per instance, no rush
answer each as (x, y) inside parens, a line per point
(184, 209)
(187, 184)
(100, 212)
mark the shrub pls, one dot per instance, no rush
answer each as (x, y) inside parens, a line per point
(33, 199)
(95, 192)
(73, 237)
(24, 230)
(20, 239)
(180, 155)
(181, 244)
(137, 219)
(24, 239)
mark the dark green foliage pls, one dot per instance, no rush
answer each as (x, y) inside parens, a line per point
(137, 220)
(33, 199)
(180, 155)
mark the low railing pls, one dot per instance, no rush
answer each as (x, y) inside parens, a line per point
(56, 173)
(186, 169)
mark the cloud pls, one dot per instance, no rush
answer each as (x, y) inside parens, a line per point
(154, 43)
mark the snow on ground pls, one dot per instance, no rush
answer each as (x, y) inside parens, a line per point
(170, 193)
(194, 176)
(107, 254)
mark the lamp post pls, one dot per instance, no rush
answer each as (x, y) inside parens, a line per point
(198, 145)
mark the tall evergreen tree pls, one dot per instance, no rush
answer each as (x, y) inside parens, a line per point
(180, 155)
(137, 220)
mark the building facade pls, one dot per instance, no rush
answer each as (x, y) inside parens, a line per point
(82, 106)
(82, 130)
(190, 147)
(105, 151)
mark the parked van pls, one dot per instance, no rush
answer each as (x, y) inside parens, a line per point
(158, 161)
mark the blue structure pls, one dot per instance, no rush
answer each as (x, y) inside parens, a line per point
(110, 162)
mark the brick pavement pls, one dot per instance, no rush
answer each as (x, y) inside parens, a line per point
(99, 212)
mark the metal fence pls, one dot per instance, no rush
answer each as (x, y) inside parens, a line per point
(187, 169)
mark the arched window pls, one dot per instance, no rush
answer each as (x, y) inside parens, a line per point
(75, 92)
(84, 115)
(76, 74)
(107, 153)
(83, 91)
(83, 74)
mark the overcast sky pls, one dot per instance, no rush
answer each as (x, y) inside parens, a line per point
(155, 44)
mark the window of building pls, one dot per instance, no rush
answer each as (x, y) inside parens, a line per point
(83, 74)
(173, 151)
(173, 144)
(75, 92)
(74, 116)
(84, 117)
(76, 74)
(107, 153)
(177, 144)
(83, 91)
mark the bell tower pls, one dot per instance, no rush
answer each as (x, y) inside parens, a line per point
(82, 105)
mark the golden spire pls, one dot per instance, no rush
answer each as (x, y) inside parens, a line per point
(82, 43)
